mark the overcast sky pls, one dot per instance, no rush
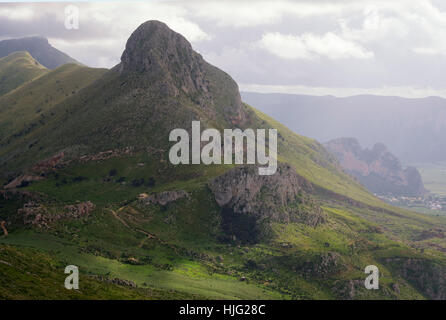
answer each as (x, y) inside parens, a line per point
(338, 47)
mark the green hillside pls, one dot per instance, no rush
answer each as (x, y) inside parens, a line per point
(30, 274)
(87, 181)
(23, 108)
(17, 69)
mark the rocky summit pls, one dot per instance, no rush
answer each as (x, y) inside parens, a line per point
(166, 60)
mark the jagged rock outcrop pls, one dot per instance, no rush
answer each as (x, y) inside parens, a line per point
(36, 215)
(251, 202)
(79, 209)
(163, 198)
(377, 169)
(117, 281)
(427, 276)
(166, 60)
(322, 266)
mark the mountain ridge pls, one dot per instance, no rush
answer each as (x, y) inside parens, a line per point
(397, 122)
(39, 48)
(18, 68)
(378, 169)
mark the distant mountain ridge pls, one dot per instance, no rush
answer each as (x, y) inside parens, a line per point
(17, 69)
(39, 48)
(414, 129)
(376, 168)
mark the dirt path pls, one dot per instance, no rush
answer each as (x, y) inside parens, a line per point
(147, 234)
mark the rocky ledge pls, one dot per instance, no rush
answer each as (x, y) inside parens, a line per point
(163, 198)
(252, 201)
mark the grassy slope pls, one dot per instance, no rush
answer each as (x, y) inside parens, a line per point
(183, 256)
(313, 162)
(33, 102)
(30, 274)
(18, 68)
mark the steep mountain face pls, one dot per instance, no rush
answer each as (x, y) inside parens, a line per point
(166, 60)
(252, 202)
(377, 169)
(412, 128)
(39, 48)
(161, 84)
(17, 69)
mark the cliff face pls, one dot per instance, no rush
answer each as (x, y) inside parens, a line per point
(252, 202)
(425, 275)
(167, 61)
(377, 169)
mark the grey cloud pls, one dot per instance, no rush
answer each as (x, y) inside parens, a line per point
(406, 52)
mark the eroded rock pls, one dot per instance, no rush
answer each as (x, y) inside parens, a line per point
(36, 215)
(427, 276)
(251, 202)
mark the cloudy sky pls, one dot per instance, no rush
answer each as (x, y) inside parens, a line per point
(337, 47)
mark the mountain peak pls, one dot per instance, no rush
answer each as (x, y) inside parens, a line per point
(18, 68)
(153, 43)
(39, 48)
(162, 54)
(166, 61)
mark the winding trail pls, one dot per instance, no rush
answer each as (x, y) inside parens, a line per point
(147, 234)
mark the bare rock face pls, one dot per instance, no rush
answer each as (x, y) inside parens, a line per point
(427, 276)
(160, 53)
(80, 209)
(323, 265)
(165, 60)
(163, 198)
(436, 232)
(251, 202)
(376, 168)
